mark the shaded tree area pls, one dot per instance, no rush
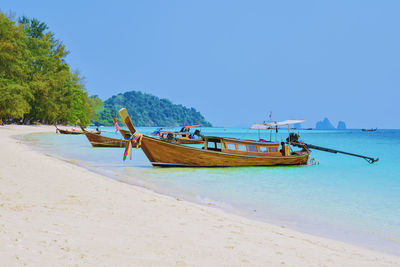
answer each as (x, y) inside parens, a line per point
(148, 110)
(36, 84)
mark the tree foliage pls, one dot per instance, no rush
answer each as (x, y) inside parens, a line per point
(148, 110)
(36, 84)
(14, 65)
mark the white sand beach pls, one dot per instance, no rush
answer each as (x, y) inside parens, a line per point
(54, 213)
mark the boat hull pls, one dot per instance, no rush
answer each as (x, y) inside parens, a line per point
(164, 154)
(98, 140)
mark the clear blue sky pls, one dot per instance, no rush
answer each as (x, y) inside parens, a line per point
(235, 61)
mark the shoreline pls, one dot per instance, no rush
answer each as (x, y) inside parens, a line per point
(88, 218)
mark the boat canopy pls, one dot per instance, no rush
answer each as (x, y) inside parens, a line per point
(269, 125)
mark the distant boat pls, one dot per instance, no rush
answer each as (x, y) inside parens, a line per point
(369, 129)
(308, 128)
(66, 131)
(217, 152)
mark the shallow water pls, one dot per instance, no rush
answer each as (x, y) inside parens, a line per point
(343, 197)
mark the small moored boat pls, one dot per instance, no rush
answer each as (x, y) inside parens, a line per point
(66, 131)
(369, 129)
(73, 131)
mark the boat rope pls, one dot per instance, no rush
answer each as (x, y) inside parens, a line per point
(135, 138)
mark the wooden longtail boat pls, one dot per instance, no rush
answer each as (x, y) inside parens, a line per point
(70, 132)
(217, 152)
(73, 131)
(98, 140)
(66, 131)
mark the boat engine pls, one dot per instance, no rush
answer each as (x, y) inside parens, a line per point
(293, 138)
(197, 132)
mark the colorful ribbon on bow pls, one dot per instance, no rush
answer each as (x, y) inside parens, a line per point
(135, 138)
(116, 127)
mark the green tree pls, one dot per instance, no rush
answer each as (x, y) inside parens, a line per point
(49, 75)
(15, 56)
(35, 81)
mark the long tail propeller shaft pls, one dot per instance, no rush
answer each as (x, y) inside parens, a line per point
(302, 145)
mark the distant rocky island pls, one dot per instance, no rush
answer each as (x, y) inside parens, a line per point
(327, 125)
(148, 110)
(341, 125)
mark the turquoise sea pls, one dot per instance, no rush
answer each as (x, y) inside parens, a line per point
(342, 198)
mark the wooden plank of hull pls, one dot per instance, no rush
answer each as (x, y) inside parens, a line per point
(98, 140)
(161, 153)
